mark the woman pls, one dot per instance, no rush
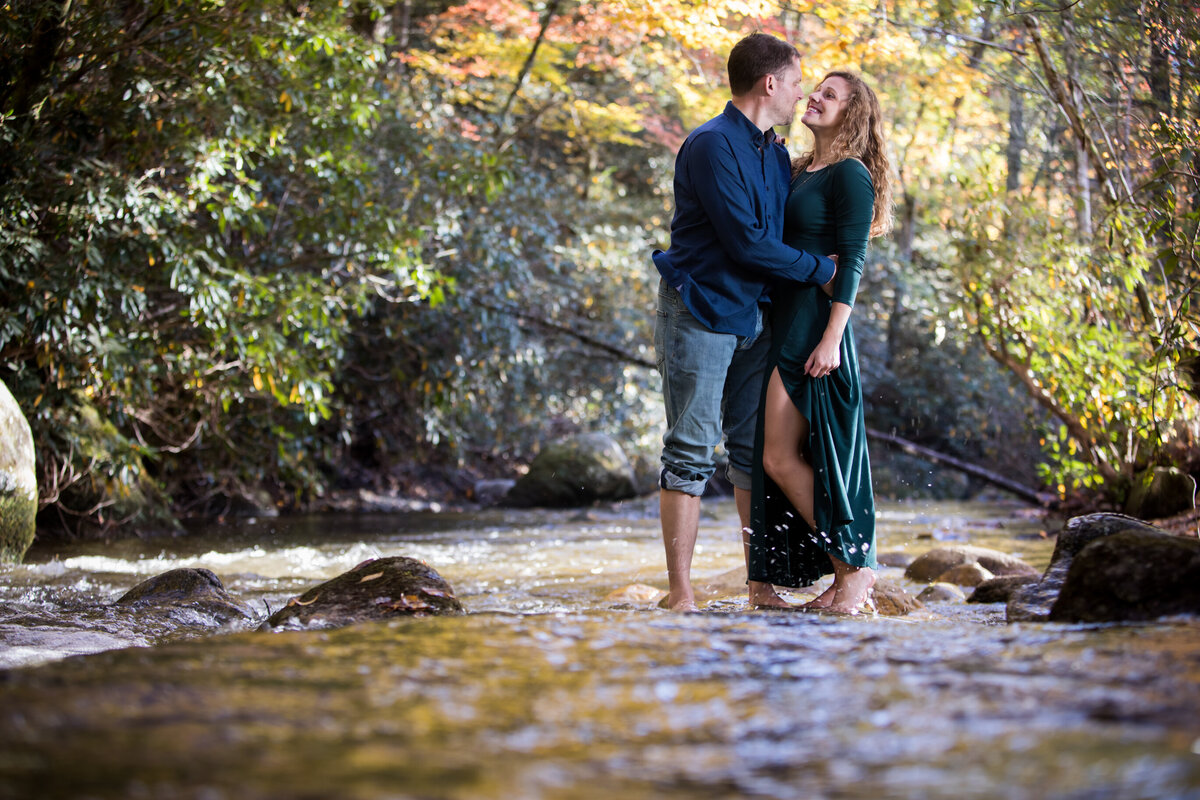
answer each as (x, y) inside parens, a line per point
(813, 511)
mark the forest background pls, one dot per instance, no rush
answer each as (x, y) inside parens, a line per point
(270, 250)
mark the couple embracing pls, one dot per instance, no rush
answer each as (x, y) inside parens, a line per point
(753, 334)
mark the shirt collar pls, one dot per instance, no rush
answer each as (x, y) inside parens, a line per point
(757, 138)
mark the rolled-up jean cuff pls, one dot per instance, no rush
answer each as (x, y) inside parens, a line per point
(671, 482)
(739, 478)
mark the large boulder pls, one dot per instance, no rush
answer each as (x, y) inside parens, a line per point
(1160, 492)
(198, 590)
(1032, 602)
(381, 588)
(1131, 575)
(18, 481)
(931, 566)
(575, 471)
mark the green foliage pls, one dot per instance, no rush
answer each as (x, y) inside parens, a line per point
(190, 244)
(250, 245)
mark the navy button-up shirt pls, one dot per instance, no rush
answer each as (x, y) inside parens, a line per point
(731, 184)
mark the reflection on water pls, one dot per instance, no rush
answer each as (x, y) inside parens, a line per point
(547, 690)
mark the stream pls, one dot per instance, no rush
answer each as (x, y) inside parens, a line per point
(552, 687)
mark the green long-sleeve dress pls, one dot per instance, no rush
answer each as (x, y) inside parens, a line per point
(828, 211)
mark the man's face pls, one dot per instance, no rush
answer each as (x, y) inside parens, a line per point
(788, 91)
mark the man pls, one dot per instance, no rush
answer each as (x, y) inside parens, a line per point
(731, 183)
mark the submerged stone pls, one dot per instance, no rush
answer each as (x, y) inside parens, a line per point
(942, 593)
(636, 594)
(891, 600)
(1131, 575)
(381, 588)
(199, 589)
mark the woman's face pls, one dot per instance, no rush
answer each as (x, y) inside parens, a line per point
(827, 105)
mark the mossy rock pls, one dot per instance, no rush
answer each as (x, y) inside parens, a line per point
(18, 480)
(1161, 492)
(1133, 575)
(575, 472)
(1034, 601)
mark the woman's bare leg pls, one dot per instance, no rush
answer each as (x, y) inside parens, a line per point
(786, 431)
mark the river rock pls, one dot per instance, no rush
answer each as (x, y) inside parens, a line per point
(18, 481)
(932, 565)
(381, 588)
(646, 470)
(942, 593)
(1161, 492)
(1131, 575)
(999, 590)
(636, 594)
(198, 589)
(492, 491)
(1032, 602)
(966, 575)
(729, 583)
(895, 558)
(891, 600)
(575, 471)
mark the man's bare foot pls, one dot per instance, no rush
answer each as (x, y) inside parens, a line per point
(824, 599)
(763, 595)
(854, 593)
(686, 604)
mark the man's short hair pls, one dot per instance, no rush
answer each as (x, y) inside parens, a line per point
(756, 56)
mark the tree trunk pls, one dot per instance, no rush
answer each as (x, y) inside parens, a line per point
(1083, 171)
(1016, 138)
(502, 119)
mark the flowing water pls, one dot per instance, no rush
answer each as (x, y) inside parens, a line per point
(551, 687)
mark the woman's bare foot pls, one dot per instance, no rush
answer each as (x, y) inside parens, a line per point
(763, 595)
(854, 591)
(824, 599)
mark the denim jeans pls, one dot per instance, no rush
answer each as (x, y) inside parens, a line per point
(712, 383)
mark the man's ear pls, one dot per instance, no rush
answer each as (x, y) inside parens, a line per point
(770, 84)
